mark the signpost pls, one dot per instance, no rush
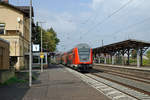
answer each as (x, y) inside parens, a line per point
(41, 55)
(36, 47)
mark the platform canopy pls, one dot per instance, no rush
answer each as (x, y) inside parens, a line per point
(123, 45)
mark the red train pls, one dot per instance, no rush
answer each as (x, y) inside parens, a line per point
(79, 58)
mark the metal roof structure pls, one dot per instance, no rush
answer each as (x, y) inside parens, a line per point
(123, 45)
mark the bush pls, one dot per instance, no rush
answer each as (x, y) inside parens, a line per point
(133, 61)
(14, 80)
(146, 62)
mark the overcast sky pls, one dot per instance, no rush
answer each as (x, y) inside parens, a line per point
(91, 21)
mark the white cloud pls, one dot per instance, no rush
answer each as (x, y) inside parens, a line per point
(77, 26)
(61, 22)
(96, 3)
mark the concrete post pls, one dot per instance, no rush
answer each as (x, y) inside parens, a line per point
(105, 60)
(99, 59)
(30, 52)
(128, 53)
(109, 59)
(141, 56)
(138, 57)
(113, 60)
(123, 57)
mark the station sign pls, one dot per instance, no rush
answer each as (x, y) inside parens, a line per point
(41, 55)
(36, 47)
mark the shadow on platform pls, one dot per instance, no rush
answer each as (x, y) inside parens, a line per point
(13, 92)
(53, 66)
(17, 91)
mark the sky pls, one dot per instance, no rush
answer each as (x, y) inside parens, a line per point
(91, 21)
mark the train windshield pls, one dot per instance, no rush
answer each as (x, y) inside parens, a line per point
(84, 54)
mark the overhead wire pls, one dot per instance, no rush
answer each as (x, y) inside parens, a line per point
(130, 26)
(86, 21)
(108, 17)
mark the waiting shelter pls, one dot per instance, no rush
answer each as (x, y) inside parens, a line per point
(119, 49)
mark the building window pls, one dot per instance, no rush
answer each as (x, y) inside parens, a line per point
(2, 28)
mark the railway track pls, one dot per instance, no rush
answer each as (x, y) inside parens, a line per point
(142, 84)
(116, 71)
(114, 89)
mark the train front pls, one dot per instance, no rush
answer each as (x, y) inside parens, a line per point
(84, 57)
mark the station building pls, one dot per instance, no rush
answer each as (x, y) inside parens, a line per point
(14, 27)
(4, 54)
(5, 72)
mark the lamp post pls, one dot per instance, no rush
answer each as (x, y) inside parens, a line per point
(42, 47)
(30, 53)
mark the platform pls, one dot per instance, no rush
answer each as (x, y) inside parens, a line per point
(125, 67)
(56, 83)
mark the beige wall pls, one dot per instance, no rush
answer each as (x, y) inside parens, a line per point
(14, 45)
(19, 44)
(9, 17)
(4, 55)
(26, 28)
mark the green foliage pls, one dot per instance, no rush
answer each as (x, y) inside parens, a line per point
(133, 61)
(134, 54)
(146, 62)
(50, 39)
(14, 80)
(148, 54)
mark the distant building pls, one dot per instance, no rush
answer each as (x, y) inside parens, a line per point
(14, 27)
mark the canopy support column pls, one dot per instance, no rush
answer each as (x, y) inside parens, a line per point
(123, 57)
(141, 57)
(105, 60)
(128, 53)
(113, 60)
(138, 57)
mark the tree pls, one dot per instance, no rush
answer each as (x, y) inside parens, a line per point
(148, 54)
(50, 39)
(134, 54)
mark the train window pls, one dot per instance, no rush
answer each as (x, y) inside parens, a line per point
(84, 51)
(84, 54)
